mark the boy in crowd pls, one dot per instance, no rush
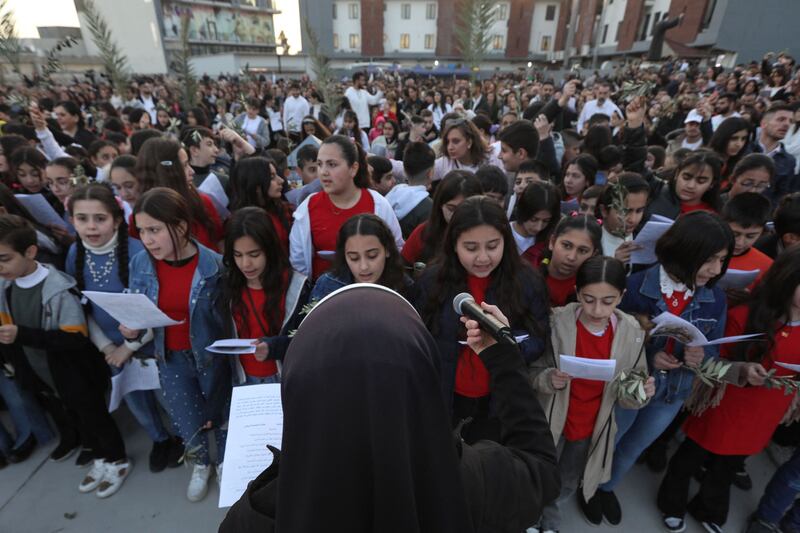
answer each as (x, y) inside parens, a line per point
(529, 171)
(307, 167)
(494, 182)
(787, 227)
(747, 214)
(411, 202)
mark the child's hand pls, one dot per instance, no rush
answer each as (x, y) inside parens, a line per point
(477, 339)
(262, 350)
(755, 374)
(650, 387)
(665, 361)
(736, 296)
(559, 379)
(129, 333)
(693, 356)
(644, 321)
(8, 334)
(625, 250)
(118, 356)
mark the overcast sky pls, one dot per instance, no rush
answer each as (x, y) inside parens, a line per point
(33, 13)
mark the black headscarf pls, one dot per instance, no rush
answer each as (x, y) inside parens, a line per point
(366, 439)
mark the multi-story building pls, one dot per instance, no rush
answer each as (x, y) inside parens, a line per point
(538, 30)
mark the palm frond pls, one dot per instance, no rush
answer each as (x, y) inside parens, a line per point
(114, 61)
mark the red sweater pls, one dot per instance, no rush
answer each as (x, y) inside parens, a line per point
(412, 249)
(534, 254)
(752, 259)
(472, 378)
(560, 290)
(249, 327)
(743, 423)
(174, 288)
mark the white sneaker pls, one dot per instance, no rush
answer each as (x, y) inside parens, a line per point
(198, 485)
(113, 477)
(94, 477)
(219, 474)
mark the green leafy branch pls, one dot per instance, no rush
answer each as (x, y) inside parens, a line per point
(787, 383)
(114, 61)
(472, 31)
(711, 371)
(53, 62)
(10, 46)
(630, 386)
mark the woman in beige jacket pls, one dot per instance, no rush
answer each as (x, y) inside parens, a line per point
(581, 411)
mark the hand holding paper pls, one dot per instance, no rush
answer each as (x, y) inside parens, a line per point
(233, 346)
(586, 368)
(134, 311)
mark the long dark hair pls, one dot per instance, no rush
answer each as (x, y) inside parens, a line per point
(352, 153)
(539, 196)
(393, 275)
(722, 135)
(254, 222)
(478, 152)
(103, 194)
(508, 280)
(702, 158)
(584, 223)
(167, 206)
(770, 306)
(251, 178)
(455, 183)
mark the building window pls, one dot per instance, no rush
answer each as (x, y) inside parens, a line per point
(430, 41)
(352, 11)
(334, 11)
(546, 43)
(405, 41)
(502, 12)
(336, 41)
(619, 30)
(355, 42)
(656, 18)
(645, 25)
(497, 42)
(605, 33)
(430, 12)
(405, 11)
(550, 13)
(709, 14)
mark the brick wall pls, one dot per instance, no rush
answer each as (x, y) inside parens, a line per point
(693, 11)
(519, 28)
(446, 21)
(563, 21)
(630, 24)
(583, 34)
(372, 28)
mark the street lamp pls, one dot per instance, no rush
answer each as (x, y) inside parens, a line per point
(436, 63)
(281, 49)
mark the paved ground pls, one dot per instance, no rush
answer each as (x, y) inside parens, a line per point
(40, 496)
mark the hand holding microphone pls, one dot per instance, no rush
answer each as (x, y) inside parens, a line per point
(485, 323)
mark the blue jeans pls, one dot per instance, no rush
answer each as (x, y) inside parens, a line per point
(780, 494)
(144, 407)
(195, 396)
(636, 430)
(26, 414)
(253, 380)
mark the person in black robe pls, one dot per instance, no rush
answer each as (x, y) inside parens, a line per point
(367, 445)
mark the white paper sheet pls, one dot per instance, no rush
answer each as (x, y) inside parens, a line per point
(661, 218)
(327, 255)
(585, 368)
(256, 419)
(685, 332)
(134, 311)
(646, 239)
(232, 346)
(38, 206)
(738, 279)
(213, 188)
(789, 366)
(137, 374)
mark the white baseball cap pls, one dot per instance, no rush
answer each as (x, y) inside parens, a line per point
(693, 116)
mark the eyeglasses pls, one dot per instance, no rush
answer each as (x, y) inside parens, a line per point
(754, 185)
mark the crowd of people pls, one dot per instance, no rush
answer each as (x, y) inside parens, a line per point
(237, 215)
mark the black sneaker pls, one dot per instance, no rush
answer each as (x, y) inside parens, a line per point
(159, 455)
(711, 527)
(64, 451)
(23, 451)
(674, 524)
(612, 511)
(175, 455)
(741, 480)
(656, 457)
(593, 509)
(85, 457)
(3, 462)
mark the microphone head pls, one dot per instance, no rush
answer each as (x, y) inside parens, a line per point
(460, 299)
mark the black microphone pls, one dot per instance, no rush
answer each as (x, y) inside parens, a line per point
(464, 304)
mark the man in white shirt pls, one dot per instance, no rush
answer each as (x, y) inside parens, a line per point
(692, 136)
(724, 108)
(360, 99)
(146, 100)
(601, 104)
(295, 108)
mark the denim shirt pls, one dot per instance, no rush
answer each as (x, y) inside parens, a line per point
(706, 311)
(205, 323)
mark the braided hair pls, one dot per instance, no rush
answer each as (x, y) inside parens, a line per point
(103, 194)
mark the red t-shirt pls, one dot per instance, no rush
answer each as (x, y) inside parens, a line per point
(586, 395)
(746, 418)
(280, 230)
(199, 231)
(534, 254)
(249, 327)
(675, 305)
(472, 378)
(560, 290)
(702, 206)
(752, 259)
(174, 288)
(326, 219)
(412, 249)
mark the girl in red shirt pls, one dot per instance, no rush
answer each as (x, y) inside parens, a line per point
(574, 240)
(250, 188)
(747, 416)
(256, 288)
(162, 162)
(537, 213)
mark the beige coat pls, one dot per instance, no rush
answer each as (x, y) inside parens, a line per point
(626, 348)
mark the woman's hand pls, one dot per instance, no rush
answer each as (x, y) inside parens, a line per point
(664, 361)
(477, 339)
(650, 387)
(559, 379)
(693, 356)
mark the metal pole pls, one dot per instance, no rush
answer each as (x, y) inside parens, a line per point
(573, 19)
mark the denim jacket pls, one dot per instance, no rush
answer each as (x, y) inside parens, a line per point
(205, 323)
(706, 311)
